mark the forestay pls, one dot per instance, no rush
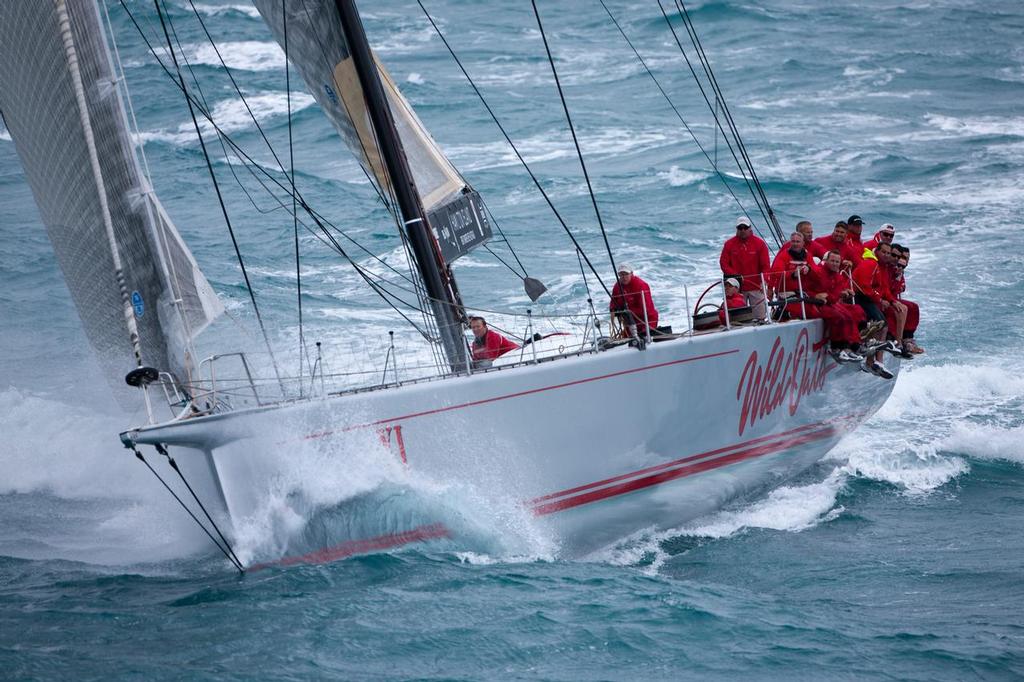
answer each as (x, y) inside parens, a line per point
(85, 180)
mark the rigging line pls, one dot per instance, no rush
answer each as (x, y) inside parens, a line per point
(246, 157)
(575, 141)
(216, 186)
(291, 175)
(487, 248)
(695, 39)
(174, 465)
(773, 223)
(515, 149)
(223, 551)
(381, 192)
(224, 136)
(714, 164)
(505, 239)
(256, 122)
(714, 114)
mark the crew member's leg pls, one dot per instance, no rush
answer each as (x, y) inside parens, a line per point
(755, 299)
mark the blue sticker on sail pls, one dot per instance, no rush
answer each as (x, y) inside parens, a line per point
(137, 304)
(331, 95)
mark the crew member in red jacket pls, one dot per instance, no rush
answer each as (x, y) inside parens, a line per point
(885, 234)
(842, 317)
(834, 242)
(793, 273)
(873, 295)
(853, 250)
(816, 250)
(901, 254)
(733, 298)
(487, 343)
(632, 301)
(912, 316)
(746, 255)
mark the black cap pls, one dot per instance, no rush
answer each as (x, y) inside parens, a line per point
(854, 220)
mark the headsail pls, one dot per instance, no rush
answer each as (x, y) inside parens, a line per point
(171, 298)
(318, 50)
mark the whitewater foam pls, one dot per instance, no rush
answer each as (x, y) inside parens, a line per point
(231, 115)
(986, 441)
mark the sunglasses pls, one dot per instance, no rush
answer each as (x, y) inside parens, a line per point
(744, 227)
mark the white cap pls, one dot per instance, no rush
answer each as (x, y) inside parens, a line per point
(743, 220)
(732, 282)
(623, 267)
(887, 227)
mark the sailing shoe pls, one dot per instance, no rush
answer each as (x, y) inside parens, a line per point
(906, 353)
(880, 371)
(891, 347)
(872, 347)
(849, 356)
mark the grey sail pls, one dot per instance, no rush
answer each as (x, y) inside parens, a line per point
(86, 179)
(318, 51)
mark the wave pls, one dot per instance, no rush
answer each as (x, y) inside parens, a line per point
(221, 10)
(917, 444)
(232, 116)
(986, 441)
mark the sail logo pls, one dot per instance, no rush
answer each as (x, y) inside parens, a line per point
(331, 95)
(137, 304)
(783, 379)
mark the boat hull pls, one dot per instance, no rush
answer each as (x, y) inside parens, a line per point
(593, 447)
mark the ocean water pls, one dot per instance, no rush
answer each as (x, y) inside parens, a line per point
(900, 555)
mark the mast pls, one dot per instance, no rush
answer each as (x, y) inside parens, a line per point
(436, 280)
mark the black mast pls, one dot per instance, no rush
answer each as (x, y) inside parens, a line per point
(438, 284)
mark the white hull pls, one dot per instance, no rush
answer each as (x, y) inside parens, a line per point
(595, 447)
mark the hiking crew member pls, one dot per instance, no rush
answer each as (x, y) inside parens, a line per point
(842, 318)
(853, 250)
(793, 273)
(885, 234)
(632, 301)
(746, 255)
(487, 343)
(872, 294)
(733, 298)
(805, 228)
(834, 242)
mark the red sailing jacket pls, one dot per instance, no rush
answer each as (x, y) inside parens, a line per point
(493, 345)
(818, 249)
(822, 245)
(872, 281)
(784, 274)
(853, 250)
(636, 297)
(897, 282)
(734, 301)
(833, 284)
(748, 258)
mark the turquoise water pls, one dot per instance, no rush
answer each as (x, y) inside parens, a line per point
(899, 555)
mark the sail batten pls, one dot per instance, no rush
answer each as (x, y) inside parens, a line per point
(98, 207)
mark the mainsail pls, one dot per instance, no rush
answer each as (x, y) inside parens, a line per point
(87, 180)
(318, 50)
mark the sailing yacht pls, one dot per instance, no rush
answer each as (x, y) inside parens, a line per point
(593, 441)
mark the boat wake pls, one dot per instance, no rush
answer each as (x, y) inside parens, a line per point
(922, 439)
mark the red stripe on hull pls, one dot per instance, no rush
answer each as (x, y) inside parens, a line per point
(670, 475)
(433, 531)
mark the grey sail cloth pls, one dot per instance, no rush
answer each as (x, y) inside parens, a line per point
(318, 51)
(42, 114)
